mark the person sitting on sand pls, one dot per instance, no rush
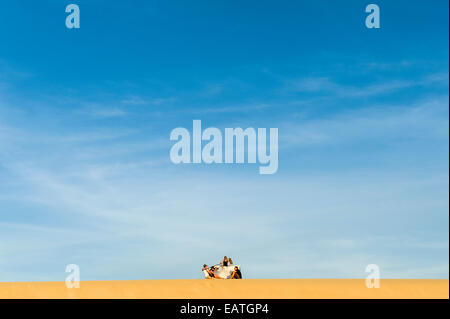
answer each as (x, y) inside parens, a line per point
(236, 274)
(208, 270)
(224, 261)
(230, 261)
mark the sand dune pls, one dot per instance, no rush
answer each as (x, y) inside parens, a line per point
(229, 289)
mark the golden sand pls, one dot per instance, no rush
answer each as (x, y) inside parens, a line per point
(229, 289)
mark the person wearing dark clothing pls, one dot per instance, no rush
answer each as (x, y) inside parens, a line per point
(236, 273)
(213, 273)
(224, 261)
(208, 270)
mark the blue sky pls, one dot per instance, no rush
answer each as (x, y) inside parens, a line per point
(85, 119)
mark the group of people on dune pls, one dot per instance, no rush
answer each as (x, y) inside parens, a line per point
(212, 271)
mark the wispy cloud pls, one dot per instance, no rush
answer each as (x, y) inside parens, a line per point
(137, 100)
(9, 73)
(427, 119)
(99, 111)
(328, 86)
